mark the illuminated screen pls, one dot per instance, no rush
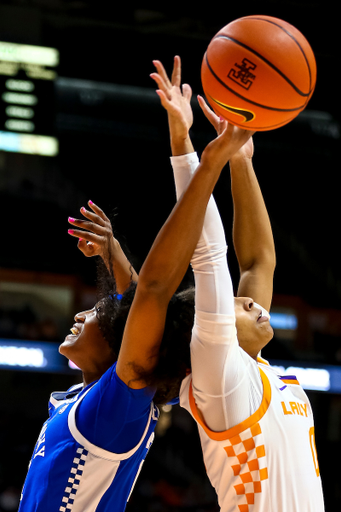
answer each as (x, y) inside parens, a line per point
(32, 356)
(37, 356)
(27, 74)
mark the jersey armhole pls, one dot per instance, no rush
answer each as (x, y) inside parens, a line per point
(96, 450)
(237, 429)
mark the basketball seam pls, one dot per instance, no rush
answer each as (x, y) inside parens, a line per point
(290, 35)
(247, 99)
(269, 64)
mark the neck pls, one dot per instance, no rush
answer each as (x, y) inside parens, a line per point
(89, 377)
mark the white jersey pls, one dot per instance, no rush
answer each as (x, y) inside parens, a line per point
(268, 462)
(256, 428)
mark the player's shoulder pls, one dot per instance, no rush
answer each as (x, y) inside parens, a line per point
(59, 398)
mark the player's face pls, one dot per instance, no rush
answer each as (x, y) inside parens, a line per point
(86, 346)
(253, 327)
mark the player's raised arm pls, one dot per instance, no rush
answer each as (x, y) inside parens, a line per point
(176, 98)
(169, 258)
(252, 233)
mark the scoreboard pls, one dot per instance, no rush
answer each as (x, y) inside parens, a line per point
(27, 75)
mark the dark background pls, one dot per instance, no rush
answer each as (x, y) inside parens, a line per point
(114, 149)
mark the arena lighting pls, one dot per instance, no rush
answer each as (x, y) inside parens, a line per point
(14, 53)
(27, 75)
(315, 379)
(28, 143)
(32, 356)
(283, 321)
(22, 356)
(73, 366)
(44, 357)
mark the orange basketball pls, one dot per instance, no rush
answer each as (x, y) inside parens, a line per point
(258, 72)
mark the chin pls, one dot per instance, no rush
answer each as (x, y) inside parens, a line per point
(267, 339)
(253, 342)
(66, 351)
(66, 347)
(270, 334)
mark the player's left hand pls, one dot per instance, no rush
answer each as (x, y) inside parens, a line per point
(176, 99)
(95, 233)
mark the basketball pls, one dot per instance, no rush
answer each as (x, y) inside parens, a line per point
(258, 72)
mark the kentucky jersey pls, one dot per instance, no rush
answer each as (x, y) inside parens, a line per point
(73, 466)
(267, 463)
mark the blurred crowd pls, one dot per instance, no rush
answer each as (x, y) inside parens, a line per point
(23, 324)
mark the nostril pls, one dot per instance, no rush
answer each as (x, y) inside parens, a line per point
(79, 317)
(246, 303)
(250, 304)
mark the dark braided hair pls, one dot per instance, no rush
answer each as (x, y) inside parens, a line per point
(174, 352)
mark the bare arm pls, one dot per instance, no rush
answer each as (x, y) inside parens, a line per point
(214, 339)
(169, 258)
(96, 238)
(252, 233)
(213, 335)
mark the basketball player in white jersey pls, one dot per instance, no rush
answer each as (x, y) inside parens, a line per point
(256, 426)
(91, 449)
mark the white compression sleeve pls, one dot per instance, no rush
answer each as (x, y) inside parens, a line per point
(218, 364)
(214, 292)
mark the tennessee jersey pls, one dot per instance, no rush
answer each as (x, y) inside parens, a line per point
(258, 438)
(70, 473)
(267, 462)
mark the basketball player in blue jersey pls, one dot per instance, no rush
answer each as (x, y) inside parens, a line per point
(256, 426)
(132, 356)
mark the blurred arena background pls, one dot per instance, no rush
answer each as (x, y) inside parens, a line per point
(80, 120)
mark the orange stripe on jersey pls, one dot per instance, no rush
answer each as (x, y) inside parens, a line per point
(248, 423)
(263, 361)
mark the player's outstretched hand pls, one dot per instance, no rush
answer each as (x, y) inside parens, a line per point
(174, 97)
(95, 232)
(217, 122)
(220, 125)
(224, 147)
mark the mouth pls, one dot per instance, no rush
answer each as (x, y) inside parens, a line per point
(263, 315)
(75, 330)
(71, 338)
(262, 318)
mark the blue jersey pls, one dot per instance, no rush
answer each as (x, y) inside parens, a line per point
(91, 449)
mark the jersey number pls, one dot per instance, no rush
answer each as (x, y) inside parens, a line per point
(313, 450)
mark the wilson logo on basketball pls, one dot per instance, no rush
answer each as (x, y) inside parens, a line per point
(242, 74)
